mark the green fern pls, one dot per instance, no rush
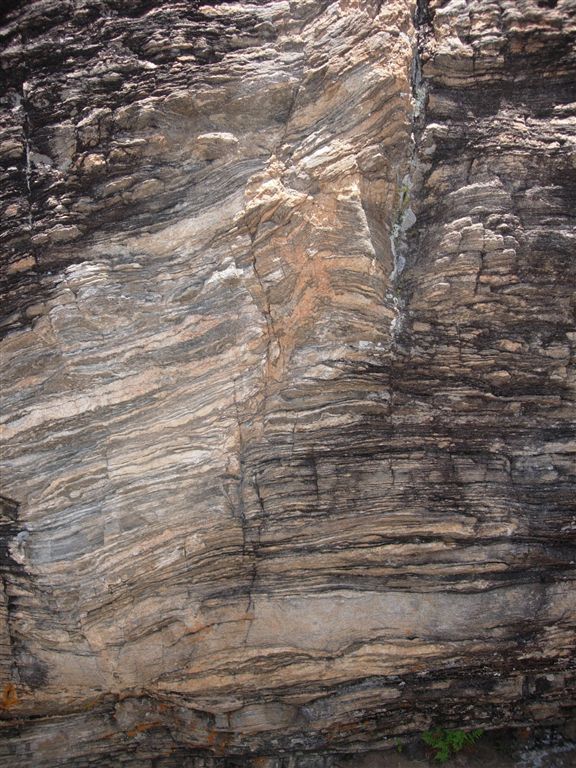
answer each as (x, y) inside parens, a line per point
(447, 743)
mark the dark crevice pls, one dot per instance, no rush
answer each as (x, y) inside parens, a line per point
(17, 583)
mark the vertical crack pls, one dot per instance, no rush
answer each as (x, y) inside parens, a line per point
(255, 546)
(272, 336)
(405, 217)
(28, 157)
(251, 532)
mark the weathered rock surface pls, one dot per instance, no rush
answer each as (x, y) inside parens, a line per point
(288, 387)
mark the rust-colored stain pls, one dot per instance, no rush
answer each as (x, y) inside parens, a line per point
(9, 697)
(141, 727)
(260, 762)
(218, 741)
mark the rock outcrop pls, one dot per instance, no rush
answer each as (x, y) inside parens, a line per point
(288, 387)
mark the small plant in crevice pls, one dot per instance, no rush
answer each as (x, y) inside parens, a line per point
(447, 743)
(404, 197)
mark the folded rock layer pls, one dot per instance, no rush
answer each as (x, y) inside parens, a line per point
(288, 453)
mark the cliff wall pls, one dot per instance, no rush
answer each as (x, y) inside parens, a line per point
(288, 456)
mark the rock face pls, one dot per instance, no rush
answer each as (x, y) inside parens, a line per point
(288, 405)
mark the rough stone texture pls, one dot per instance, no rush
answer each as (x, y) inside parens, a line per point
(288, 385)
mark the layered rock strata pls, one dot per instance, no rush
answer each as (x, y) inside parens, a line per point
(288, 386)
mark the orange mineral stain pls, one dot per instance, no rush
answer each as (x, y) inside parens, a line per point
(9, 696)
